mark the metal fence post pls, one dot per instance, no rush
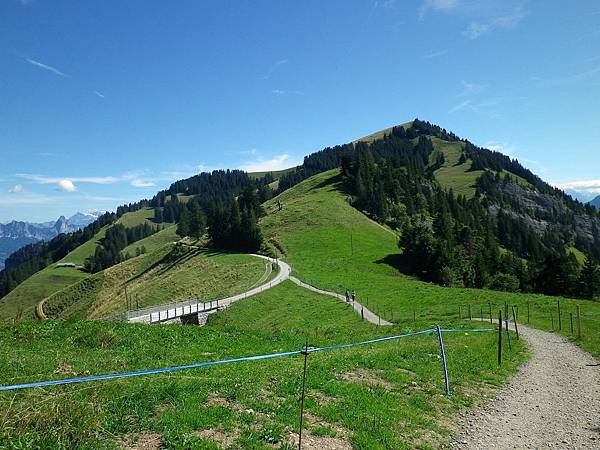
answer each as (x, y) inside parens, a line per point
(443, 352)
(305, 353)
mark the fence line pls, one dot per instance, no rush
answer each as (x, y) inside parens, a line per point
(231, 361)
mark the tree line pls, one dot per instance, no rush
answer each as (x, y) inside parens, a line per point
(455, 241)
(117, 237)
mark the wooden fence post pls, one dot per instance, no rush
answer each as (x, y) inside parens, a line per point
(571, 317)
(506, 320)
(515, 320)
(470, 313)
(499, 337)
(528, 315)
(552, 320)
(559, 316)
(490, 306)
(578, 321)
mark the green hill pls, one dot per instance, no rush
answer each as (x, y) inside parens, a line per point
(54, 278)
(333, 246)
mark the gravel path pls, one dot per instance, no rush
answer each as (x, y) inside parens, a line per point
(553, 402)
(361, 310)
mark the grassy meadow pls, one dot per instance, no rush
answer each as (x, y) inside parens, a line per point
(388, 395)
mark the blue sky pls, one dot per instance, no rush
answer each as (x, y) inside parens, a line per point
(103, 103)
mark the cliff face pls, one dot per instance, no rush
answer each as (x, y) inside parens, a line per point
(545, 211)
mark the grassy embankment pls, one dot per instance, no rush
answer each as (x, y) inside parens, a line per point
(165, 274)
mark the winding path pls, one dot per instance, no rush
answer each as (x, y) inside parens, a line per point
(553, 402)
(174, 311)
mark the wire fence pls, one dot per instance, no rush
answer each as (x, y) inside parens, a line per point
(438, 330)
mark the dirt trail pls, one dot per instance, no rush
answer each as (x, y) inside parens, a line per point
(553, 402)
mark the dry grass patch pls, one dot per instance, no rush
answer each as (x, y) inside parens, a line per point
(142, 441)
(370, 377)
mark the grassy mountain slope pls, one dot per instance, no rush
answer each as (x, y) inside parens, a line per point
(333, 246)
(48, 281)
(386, 396)
(165, 275)
(53, 279)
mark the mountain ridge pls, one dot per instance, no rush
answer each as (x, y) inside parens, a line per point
(17, 234)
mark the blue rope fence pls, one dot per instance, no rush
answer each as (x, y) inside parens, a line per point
(115, 376)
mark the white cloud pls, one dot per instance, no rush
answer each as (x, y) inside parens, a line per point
(475, 30)
(505, 21)
(437, 5)
(501, 147)
(436, 54)
(16, 189)
(138, 183)
(469, 89)
(277, 163)
(66, 186)
(99, 94)
(590, 187)
(286, 92)
(54, 70)
(276, 65)
(460, 106)
(41, 179)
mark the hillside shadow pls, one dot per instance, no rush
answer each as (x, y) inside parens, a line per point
(397, 262)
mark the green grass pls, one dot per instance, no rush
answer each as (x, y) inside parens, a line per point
(388, 395)
(581, 258)
(165, 275)
(333, 246)
(151, 243)
(276, 173)
(139, 217)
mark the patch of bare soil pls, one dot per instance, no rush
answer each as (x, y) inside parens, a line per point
(370, 377)
(142, 441)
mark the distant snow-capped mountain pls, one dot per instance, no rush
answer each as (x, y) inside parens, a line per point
(17, 234)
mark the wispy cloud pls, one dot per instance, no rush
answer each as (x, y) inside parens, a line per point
(470, 89)
(511, 150)
(567, 79)
(436, 54)
(483, 107)
(590, 187)
(483, 16)
(505, 21)
(99, 94)
(16, 189)
(69, 184)
(437, 5)
(139, 183)
(279, 162)
(286, 92)
(54, 70)
(276, 65)
(42, 179)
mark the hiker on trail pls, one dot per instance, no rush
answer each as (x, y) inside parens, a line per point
(353, 296)
(347, 296)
